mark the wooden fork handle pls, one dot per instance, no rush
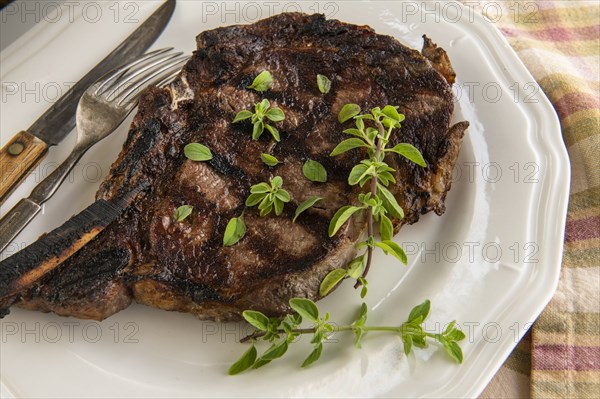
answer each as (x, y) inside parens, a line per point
(22, 153)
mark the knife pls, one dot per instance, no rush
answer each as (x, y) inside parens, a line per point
(27, 148)
(26, 267)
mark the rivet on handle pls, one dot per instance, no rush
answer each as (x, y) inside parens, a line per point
(16, 148)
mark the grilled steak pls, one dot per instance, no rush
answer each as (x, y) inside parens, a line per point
(147, 256)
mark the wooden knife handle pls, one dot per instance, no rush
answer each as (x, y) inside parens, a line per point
(22, 153)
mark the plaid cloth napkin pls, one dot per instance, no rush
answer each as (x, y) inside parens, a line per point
(559, 42)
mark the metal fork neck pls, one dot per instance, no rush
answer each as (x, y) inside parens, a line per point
(43, 191)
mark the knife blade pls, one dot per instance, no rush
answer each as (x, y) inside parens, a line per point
(21, 270)
(27, 148)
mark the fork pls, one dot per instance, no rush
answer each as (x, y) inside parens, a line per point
(101, 109)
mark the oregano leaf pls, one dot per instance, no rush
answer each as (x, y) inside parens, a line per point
(257, 130)
(245, 361)
(331, 280)
(348, 111)
(455, 351)
(262, 82)
(357, 173)
(305, 308)
(391, 247)
(257, 319)
(407, 339)
(356, 267)
(306, 205)
(314, 355)
(409, 152)
(275, 352)
(274, 132)
(358, 334)
(347, 145)
(340, 217)
(421, 310)
(234, 232)
(314, 171)
(386, 229)
(455, 335)
(275, 114)
(389, 202)
(269, 160)
(182, 212)
(197, 152)
(242, 115)
(323, 83)
(392, 113)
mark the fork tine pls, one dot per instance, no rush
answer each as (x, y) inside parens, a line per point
(168, 79)
(115, 76)
(154, 76)
(142, 70)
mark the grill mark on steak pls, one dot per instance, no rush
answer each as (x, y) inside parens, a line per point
(183, 266)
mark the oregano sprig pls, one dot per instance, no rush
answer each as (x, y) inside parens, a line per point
(372, 132)
(268, 196)
(262, 110)
(282, 332)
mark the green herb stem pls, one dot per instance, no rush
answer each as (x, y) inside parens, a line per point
(378, 202)
(370, 210)
(369, 248)
(260, 334)
(282, 332)
(403, 329)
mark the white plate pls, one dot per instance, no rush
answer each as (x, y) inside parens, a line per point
(492, 261)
